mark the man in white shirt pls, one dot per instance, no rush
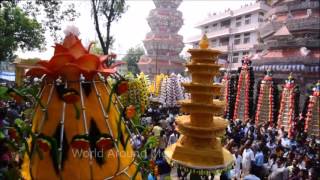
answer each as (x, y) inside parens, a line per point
(157, 130)
(247, 158)
(285, 142)
(172, 138)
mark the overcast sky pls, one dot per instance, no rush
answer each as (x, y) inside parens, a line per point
(130, 30)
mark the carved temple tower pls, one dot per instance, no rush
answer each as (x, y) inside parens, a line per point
(290, 42)
(163, 43)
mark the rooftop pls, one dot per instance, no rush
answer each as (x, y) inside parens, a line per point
(233, 13)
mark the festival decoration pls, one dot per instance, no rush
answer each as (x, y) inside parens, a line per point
(171, 91)
(202, 127)
(229, 83)
(265, 110)
(289, 106)
(244, 99)
(145, 83)
(313, 113)
(155, 87)
(137, 95)
(181, 80)
(78, 129)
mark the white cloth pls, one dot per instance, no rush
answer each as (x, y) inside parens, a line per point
(236, 171)
(172, 139)
(247, 157)
(279, 174)
(285, 142)
(251, 177)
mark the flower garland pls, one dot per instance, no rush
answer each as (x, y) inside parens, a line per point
(313, 112)
(171, 91)
(288, 102)
(266, 91)
(244, 82)
(225, 83)
(202, 172)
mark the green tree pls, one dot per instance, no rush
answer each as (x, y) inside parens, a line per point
(22, 25)
(54, 12)
(107, 11)
(132, 58)
(17, 30)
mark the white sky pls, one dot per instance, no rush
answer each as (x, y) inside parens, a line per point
(131, 29)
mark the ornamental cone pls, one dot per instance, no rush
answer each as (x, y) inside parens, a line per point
(73, 123)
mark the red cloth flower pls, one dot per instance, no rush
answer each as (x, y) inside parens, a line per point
(70, 60)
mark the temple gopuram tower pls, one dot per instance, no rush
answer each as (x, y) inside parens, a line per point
(290, 38)
(163, 44)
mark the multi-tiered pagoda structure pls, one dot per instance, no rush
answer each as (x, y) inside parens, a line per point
(265, 111)
(163, 44)
(289, 106)
(199, 149)
(313, 113)
(290, 42)
(244, 98)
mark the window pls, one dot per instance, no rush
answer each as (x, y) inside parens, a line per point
(235, 58)
(225, 24)
(214, 26)
(246, 38)
(261, 17)
(214, 43)
(238, 21)
(247, 19)
(224, 41)
(237, 39)
(245, 53)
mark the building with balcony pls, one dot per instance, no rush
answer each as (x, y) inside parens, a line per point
(290, 43)
(234, 32)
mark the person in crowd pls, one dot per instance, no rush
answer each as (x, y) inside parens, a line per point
(173, 138)
(236, 171)
(157, 130)
(162, 141)
(247, 158)
(259, 162)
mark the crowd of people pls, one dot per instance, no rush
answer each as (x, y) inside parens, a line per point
(10, 112)
(260, 151)
(265, 152)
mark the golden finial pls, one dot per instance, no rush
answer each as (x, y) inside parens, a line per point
(268, 72)
(204, 42)
(290, 76)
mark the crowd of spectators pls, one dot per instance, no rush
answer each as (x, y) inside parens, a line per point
(260, 151)
(10, 161)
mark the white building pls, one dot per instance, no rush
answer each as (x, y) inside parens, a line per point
(234, 32)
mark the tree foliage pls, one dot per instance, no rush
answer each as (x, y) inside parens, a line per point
(17, 30)
(132, 58)
(107, 11)
(53, 11)
(23, 24)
